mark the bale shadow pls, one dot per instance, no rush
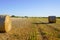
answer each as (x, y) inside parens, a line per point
(42, 23)
(2, 32)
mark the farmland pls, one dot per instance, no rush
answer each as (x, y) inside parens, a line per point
(32, 29)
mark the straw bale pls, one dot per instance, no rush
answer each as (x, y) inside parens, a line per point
(52, 19)
(5, 23)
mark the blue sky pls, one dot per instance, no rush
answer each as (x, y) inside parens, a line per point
(30, 7)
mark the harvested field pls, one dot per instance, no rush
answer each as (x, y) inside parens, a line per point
(32, 29)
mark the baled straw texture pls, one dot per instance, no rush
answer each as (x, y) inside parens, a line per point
(5, 23)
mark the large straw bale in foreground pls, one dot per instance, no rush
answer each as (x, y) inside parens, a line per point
(5, 23)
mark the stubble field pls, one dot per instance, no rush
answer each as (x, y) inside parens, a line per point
(32, 29)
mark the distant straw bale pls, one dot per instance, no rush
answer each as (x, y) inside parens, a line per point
(52, 19)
